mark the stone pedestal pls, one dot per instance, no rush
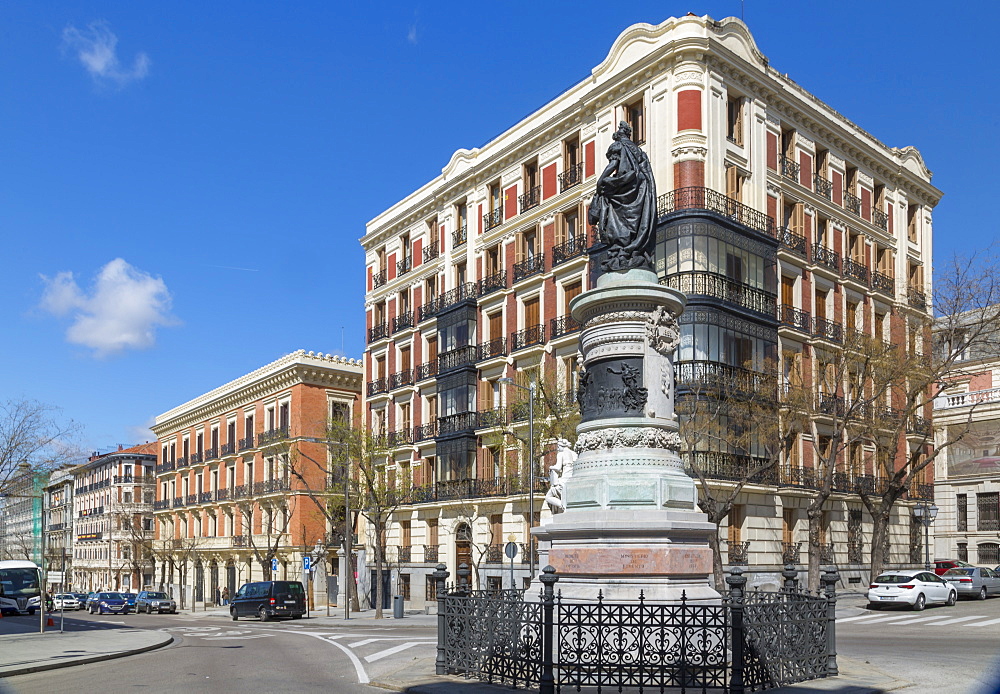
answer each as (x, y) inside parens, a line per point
(631, 522)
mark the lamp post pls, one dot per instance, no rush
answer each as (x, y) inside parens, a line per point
(531, 466)
(926, 512)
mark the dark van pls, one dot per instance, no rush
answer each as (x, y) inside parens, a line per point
(269, 600)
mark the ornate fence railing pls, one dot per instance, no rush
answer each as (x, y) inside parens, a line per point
(750, 642)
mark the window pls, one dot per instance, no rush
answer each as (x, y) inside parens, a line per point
(989, 553)
(635, 116)
(988, 504)
(530, 176)
(461, 274)
(962, 512)
(788, 144)
(531, 313)
(788, 525)
(734, 119)
(493, 260)
(496, 197)
(430, 588)
(462, 217)
(430, 288)
(734, 183)
(404, 415)
(496, 528)
(912, 222)
(404, 246)
(404, 586)
(735, 524)
(494, 584)
(856, 244)
(495, 323)
(570, 292)
(963, 551)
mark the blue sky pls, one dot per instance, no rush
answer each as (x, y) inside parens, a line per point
(182, 185)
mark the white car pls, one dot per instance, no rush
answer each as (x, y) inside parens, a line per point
(913, 587)
(66, 601)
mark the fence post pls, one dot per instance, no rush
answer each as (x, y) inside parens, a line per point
(440, 575)
(547, 683)
(736, 580)
(829, 580)
(464, 585)
(791, 576)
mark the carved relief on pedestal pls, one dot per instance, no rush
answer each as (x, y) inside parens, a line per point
(633, 437)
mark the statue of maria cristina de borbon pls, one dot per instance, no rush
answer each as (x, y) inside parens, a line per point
(624, 205)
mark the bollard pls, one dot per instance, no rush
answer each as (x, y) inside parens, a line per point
(829, 580)
(440, 576)
(791, 576)
(736, 581)
(546, 683)
(464, 584)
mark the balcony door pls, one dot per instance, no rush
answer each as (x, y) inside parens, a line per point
(463, 545)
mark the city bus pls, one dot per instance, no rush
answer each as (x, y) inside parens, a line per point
(20, 591)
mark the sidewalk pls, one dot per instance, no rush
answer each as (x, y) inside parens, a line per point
(21, 654)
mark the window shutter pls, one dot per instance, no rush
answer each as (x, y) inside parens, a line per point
(519, 248)
(799, 219)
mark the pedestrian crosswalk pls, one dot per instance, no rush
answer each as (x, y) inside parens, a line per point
(906, 619)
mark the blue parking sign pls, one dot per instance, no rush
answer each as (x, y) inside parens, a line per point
(274, 565)
(307, 563)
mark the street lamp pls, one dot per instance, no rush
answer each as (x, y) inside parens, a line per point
(531, 466)
(926, 513)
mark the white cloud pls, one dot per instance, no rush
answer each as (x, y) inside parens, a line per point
(411, 35)
(141, 433)
(121, 311)
(95, 47)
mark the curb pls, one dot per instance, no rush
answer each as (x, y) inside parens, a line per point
(85, 660)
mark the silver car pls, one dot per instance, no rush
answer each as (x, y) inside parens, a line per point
(974, 581)
(150, 601)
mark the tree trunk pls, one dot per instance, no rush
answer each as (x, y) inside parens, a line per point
(880, 532)
(815, 515)
(717, 573)
(378, 579)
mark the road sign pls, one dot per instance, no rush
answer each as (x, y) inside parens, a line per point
(307, 563)
(510, 549)
(274, 565)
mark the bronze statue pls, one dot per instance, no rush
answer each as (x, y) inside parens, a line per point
(624, 205)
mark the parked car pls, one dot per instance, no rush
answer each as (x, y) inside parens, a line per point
(92, 599)
(150, 601)
(82, 597)
(942, 565)
(109, 603)
(65, 601)
(913, 587)
(974, 581)
(268, 600)
(130, 601)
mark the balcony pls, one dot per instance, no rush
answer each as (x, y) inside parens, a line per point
(402, 321)
(378, 386)
(456, 423)
(916, 298)
(794, 318)
(493, 219)
(196, 458)
(572, 176)
(211, 453)
(182, 462)
(403, 266)
(497, 347)
(378, 279)
(430, 553)
(471, 489)
(493, 283)
(280, 484)
(828, 329)
(918, 425)
(721, 287)
(228, 448)
(531, 335)
(852, 203)
(428, 310)
(855, 270)
(427, 370)
(833, 405)
(463, 292)
(460, 236)
(826, 553)
(574, 248)
(883, 283)
(247, 443)
(240, 541)
(699, 198)
(530, 198)
(161, 504)
(272, 435)
(133, 479)
(164, 467)
(96, 511)
(242, 491)
(404, 554)
(222, 495)
(400, 437)
(827, 257)
(400, 379)
(430, 252)
(718, 376)
(880, 219)
(377, 332)
(792, 241)
(529, 266)
(493, 554)
(457, 358)
(489, 419)
(191, 500)
(715, 465)
(823, 187)
(789, 168)
(564, 325)
(425, 431)
(738, 553)
(791, 552)
(205, 497)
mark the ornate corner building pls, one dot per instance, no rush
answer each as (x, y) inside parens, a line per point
(787, 225)
(244, 473)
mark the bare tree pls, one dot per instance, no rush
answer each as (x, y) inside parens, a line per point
(274, 519)
(32, 436)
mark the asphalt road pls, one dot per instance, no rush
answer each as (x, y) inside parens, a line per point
(214, 654)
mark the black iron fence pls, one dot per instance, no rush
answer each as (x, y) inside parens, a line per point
(750, 641)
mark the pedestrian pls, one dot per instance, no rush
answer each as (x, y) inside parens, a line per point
(218, 595)
(225, 596)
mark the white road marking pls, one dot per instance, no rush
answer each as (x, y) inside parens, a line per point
(957, 620)
(391, 651)
(357, 644)
(858, 617)
(888, 618)
(358, 667)
(984, 624)
(915, 620)
(231, 638)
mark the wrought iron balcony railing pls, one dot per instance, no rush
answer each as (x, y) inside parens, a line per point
(247, 443)
(821, 255)
(828, 329)
(721, 287)
(272, 435)
(852, 203)
(430, 251)
(916, 298)
(880, 219)
(530, 198)
(182, 462)
(222, 495)
(470, 489)
(430, 553)
(738, 553)
(228, 448)
(919, 425)
(403, 266)
(463, 292)
(572, 176)
(796, 243)
(428, 369)
(715, 465)
(404, 554)
(211, 453)
(196, 458)
(400, 437)
(700, 198)
(716, 376)
(457, 358)
(826, 553)
(456, 423)
(493, 553)
(855, 270)
(789, 168)
(402, 321)
(428, 310)
(823, 187)
(833, 405)
(855, 551)
(529, 266)
(795, 318)
(460, 236)
(493, 219)
(425, 431)
(165, 467)
(379, 278)
(531, 335)
(497, 347)
(573, 248)
(492, 283)
(191, 500)
(488, 419)
(882, 282)
(377, 332)
(564, 325)
(791, 552)
(401, 378)
(161, 504)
